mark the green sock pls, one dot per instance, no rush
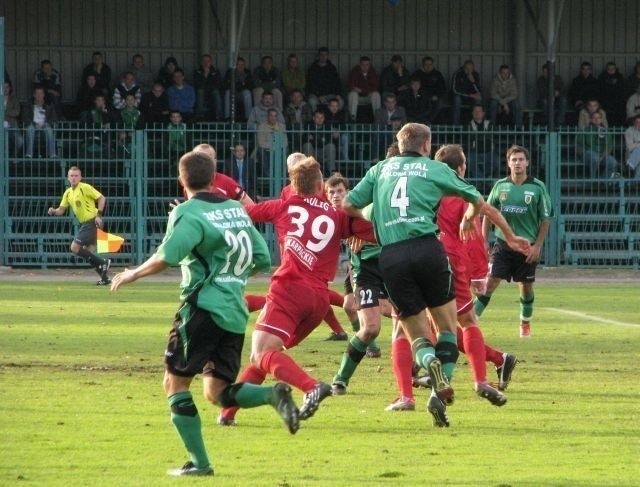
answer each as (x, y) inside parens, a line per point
(186, 419)
(355, 325)
(526, 307)
(350, 359)
(246, 395)
(373, 345)
(423, 351)
(447, 352)
(480, 303)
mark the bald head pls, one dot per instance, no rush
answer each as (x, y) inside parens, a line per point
(293, 159)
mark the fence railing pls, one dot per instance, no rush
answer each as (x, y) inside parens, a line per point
(597, 202)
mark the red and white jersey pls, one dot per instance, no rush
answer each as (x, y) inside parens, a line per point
(311, 229)
(226, 187)
(286, 192)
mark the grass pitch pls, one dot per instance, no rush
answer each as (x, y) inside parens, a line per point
(82, 402)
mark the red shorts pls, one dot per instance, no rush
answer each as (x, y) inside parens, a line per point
(461, 282)
(292, 311)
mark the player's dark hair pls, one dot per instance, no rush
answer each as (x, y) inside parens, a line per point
(452, 155)
(196, 170)
(335, 179)
(514, 149)
(305, 176)
(393, 150)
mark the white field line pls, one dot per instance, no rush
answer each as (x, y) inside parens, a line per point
(590, 317)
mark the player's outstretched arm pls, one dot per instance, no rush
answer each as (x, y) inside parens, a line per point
(519, 244)
(152, 265)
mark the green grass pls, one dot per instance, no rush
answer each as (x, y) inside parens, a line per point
(81, 401)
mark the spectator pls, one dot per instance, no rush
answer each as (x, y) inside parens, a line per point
(240, 169)
(323, 81)
(504, 97)
(391, 109)
(128, 86)
(633, 104)
(466, 89)
(337, 119)
(182, 96)
(176, 137)
(100, 117)
(131, 120)
(143, 75)
(633, 82)
(266, 77)
(559, 101)
(394, 77)
(243, 85)
(155, 105)
(632, 141)
(319, 143)
(591, 106)
(298, 112)
(433, 87)
(11, 116)
(165, 75)
(87, 93)
(584, 87)
(39, 116)
(207, 81)
(482, 159)
(597, 144)
(259, 113)
(266, 129)
(101, 70)
(49, 78)
(415, 102)
(612, 93)
(293, 77)
(363, 84)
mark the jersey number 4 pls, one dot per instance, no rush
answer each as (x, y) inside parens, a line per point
(322, 228)
(399, 198)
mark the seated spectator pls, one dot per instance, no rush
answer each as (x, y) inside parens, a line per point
(338, 119)
(49, 78)
(38, 116)
(259, 113)
(207, 82)
(466, 89)
(241, 169)
(243, 88)
(11, 116)
(101, 70)
(633, 105)
(323, 81)
(319, 143)
(482, 157)
(363, 85)
(633, 82)
(596, 145)
(176, 137)
(433, 86)
(293, 76)
(298, 112)
(266, 129)
(165, 75)
(383, 116)
(130, 120)
(128, 86)
(590, 107)
(505, 97)
(386, 136)
(559, 101)
(143, 75)
(266, 77)
(415, 103)
(612, 94)
(632, 141)
(584, 87)
(394, 78)
(182, 96)
(155, 105)
(87, 93)
(101, 118)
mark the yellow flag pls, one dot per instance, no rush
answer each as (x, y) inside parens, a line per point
(107, 242)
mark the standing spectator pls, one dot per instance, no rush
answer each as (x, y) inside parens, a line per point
(482, 159)
(130, 120)
(101, 70)
(182, 96)
(466, 89)
(240, 169)
(433, 86)
(165, 75)
(143, 75)
(338, 119)
(39, 116)
(632, 141)
(363, 84)
(415, 102)
(155, 105)
(319, 143)
(298, 112)
(207, 81)
(259, 113)
(505, 97)
(590, 107)
(323, 81)
(11, 116)
(50, 79)
(293, 76)
(612, 94)
(584, 87)
(266, 130)
(266, 77)
(87, 204)
(388, 119)
(100, 117)
(394, 78)
(633, 82)
(87, 93)
(597, 144)
(243, 85)
(633, 104)
(526, 205)
(559, 101)
(128, 86)
(176, 137)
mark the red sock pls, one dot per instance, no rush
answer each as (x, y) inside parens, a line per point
(474, 346)
(284, 368)
(333, 322)
(335, 298)
(493, 355)
(402, 359)
(460, 339)
(254, 302)
(252, 375)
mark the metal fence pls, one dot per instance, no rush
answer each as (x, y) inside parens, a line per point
(598, 211)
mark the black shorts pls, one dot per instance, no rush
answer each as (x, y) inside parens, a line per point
(417, 274)
(508, 264)
(210, 349)
(369, 284)
(87, 234)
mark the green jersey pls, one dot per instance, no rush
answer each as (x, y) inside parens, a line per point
(368, 250)
(217, 246)
(406, 191)
(524, 206)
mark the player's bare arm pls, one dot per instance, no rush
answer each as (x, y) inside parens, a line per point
(519, 244)
(152, 265)
(536, 248)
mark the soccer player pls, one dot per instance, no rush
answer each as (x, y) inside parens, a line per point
(222, 184)
(526, 205)
(87, 204)
(298, 299)
(217, 246)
